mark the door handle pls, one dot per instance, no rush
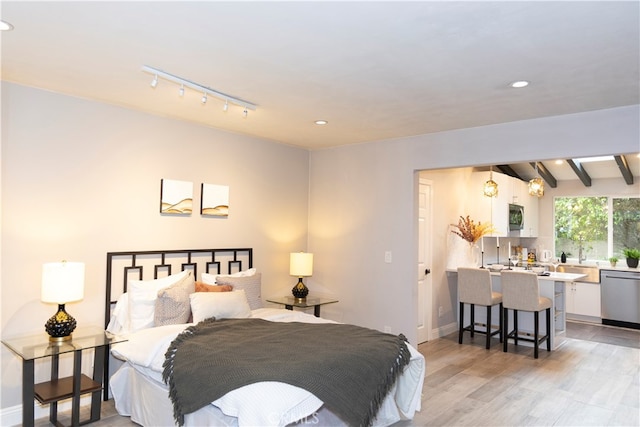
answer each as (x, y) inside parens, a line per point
(427, 271)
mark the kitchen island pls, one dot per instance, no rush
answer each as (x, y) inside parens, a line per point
(552, 287)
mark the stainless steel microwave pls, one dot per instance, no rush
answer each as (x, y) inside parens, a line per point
(516, 217)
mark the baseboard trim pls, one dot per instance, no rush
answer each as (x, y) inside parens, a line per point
(445, 330)
(12, 416)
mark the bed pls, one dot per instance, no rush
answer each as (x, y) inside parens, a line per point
(289, 367)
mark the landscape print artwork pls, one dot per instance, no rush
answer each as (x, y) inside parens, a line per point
(215, 200)
(176, 197)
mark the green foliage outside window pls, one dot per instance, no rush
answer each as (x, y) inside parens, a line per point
(582, 226)
(626, 224)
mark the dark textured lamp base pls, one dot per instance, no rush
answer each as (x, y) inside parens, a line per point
(300, 291)
(60, 325)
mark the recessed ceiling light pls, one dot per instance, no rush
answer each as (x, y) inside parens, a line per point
(321, 122)
(5, 26)
(559, 162)
(520, 83)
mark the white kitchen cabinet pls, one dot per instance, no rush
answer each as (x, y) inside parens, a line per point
(496, 209)
(583, 299)
(521, 196)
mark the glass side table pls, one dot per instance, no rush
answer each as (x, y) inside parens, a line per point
(30, 348)
(290, 302)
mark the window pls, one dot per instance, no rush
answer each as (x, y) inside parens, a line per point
(596, 228)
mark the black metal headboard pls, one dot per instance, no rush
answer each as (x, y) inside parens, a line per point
(123, 266)
(148, 265)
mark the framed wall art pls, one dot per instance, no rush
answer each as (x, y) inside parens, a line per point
(215, 200)
(176, 197)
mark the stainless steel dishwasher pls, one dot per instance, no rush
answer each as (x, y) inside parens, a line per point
(620, 292)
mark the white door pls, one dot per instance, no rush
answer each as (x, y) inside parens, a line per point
(424, 261)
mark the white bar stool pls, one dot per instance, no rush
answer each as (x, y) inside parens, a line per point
(521, 292)
(474, 288)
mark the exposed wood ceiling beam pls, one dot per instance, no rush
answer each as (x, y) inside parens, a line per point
(580, 171)
(624, 169)
(507, 170)
(545, 174)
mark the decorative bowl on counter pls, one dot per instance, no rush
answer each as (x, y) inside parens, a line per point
(538, 270)
(496, 267)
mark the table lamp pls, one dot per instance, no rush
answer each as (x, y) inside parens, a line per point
(62, 282)
(300, 265)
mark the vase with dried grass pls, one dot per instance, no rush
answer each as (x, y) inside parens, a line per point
(471, 232)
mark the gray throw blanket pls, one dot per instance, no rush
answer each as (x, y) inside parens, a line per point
(350, 368)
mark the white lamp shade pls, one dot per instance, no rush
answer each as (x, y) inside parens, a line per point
(62, 282)
(301, 264)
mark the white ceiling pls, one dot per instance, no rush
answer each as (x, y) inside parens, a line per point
(374, 70)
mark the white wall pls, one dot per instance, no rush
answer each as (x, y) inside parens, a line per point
(80, 179)
(363, 202)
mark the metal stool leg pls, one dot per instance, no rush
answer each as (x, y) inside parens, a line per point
(505, 330)
(461, 328)
(536, 330)
(488, 343)
(501, 314)
(549, 325)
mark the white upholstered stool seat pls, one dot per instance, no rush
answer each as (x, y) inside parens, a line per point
(521, 292)
(474, 288)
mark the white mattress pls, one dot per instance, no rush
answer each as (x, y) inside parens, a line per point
(139, 392)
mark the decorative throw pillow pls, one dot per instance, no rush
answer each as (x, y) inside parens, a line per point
(142, 299)
(252, 285)
(220, 305)
(173, 305)
(203, 287)
(211, 279)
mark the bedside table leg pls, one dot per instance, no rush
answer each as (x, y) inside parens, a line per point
(27, 392)
(316, 310)
(77, 374)
(53, 406)
(99, 355)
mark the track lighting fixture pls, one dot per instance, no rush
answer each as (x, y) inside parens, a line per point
(206, 91)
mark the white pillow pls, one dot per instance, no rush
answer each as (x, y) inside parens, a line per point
(119, 322)
(142, 299)
(221, 305)
(210, 279)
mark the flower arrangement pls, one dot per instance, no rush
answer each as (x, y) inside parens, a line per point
(470, 231)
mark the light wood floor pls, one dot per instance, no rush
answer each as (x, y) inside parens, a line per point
(593, 379)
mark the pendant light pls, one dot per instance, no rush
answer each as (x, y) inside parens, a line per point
(536, 185)
(491, 187)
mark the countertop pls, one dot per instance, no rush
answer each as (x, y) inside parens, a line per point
(556, 277)
(601, 265)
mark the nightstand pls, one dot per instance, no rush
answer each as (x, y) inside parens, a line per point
(290, 302)
(30, 348)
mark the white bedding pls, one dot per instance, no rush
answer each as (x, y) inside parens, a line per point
(263, 403)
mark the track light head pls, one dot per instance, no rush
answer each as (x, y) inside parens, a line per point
(226, 106)
(181, 91)
(245, 112)
(204, 98)
(154, 82)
